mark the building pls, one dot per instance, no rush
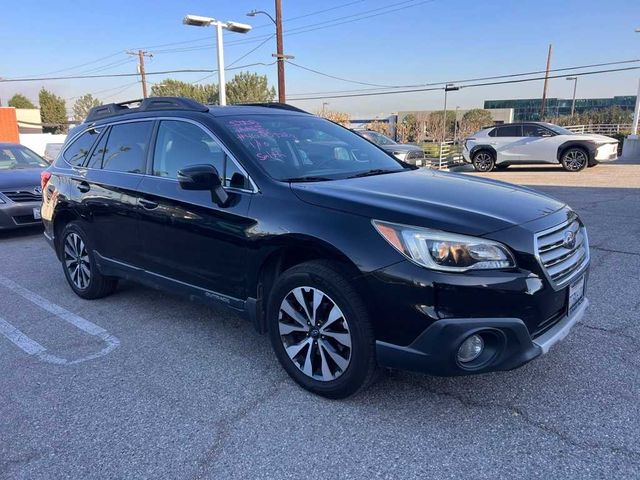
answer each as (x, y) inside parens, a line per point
(528, 109)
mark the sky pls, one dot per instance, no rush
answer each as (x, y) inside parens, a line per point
(410, 42)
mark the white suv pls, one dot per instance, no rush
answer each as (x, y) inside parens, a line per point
(536, 142)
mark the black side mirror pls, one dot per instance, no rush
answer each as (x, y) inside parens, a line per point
(203, 177)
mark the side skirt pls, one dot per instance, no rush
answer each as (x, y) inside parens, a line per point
(246, 308)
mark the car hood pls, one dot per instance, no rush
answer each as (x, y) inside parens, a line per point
(595, 138)
(446, 201)
(399, 147)
(20, 178)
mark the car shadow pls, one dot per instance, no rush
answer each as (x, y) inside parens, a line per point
(23, 232)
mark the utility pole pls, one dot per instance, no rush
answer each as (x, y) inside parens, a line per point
(141, 54)
(280, 52)
(546, 81)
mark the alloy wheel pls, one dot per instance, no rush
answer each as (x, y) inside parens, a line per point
(575, 160)
(483, 162)
(76, 261)
(315, 333)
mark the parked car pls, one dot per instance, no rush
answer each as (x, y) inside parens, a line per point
(402, 151)
(20, 191)
(51, 151)
(347, 257)
(536, 142)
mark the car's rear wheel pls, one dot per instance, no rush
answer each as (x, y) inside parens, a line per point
(483, 161)
(78, 263)
(320, 330)
(574, 160)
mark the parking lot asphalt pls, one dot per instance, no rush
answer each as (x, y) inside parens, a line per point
(146, 385)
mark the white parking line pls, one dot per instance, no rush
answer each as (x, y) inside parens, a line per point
(32, 347)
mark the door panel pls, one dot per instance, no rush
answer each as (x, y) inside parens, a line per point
(187, 237)
(537, 145)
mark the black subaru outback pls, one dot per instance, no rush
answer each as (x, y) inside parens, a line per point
(347, 257)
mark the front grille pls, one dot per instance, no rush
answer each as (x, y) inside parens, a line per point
(561, 260)
(414, 154)
(19, 196)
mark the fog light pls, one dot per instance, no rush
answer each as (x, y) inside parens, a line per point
(470, 349)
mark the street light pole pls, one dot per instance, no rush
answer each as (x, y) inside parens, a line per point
(455, 126)
(198, 21)
(449, 87)
(573, 102)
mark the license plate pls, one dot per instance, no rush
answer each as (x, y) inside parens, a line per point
(36, 214)
(576, 293)
(418, 163)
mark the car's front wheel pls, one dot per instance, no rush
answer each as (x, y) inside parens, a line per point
(320, 330)
(483, 161)
(78, 263)
(574, 160)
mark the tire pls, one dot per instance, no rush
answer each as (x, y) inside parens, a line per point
(502, 166)
(335, 357)
(79, 266)
(574, 159)
(483, 161)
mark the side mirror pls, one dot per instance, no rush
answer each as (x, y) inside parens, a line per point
(203, 177)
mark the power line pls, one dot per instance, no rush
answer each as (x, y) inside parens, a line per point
(115, 75)
(251, 51)
(493, 77)
(427, 89)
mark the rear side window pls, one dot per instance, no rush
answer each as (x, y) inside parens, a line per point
(509, 131)
(77, 152)
(126, 147)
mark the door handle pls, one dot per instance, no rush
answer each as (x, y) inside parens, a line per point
(147, 204)
(84, 187)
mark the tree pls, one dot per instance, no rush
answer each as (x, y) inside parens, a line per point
(434, 123)
(473, 120)
(378, 126)
(207, 93)
(20, 101)
(82, 106)
(53, 112)
(406, 129)
(246, 87)
(338, 117)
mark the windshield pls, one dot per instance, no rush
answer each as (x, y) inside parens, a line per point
(380, 139)
(558, 130)
(14, 157)
(307, 148)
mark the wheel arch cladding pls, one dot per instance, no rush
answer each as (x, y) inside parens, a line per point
(62, 218)
(479, 148)
(587, 145)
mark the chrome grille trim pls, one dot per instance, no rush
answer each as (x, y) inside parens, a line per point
(19, 196)
(560, 263)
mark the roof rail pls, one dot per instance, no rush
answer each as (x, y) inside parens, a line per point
(145, 105)
(282, 106)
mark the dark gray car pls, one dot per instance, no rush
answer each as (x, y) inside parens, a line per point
(20, 191)
(407, 153)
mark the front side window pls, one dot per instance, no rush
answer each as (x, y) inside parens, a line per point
(182, 144)
(16, 156)
(379, 139)
(535, 131)
(306, 148)
(77, 152)
(126, 147)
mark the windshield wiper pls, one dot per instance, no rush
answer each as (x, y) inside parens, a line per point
(375, 171)
(307, 178)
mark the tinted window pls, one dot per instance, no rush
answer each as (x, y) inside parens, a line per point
(16, 157)
(493, 132)
(509, 131)
(181, 144)
(98, 153)
(534, 131)
(303, 147)
(77, 152)
(126, 147)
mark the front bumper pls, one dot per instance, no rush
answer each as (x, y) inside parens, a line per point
(507, 340)
(17, 215)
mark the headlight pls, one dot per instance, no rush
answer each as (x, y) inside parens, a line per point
(444, 251)
(399, 155)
